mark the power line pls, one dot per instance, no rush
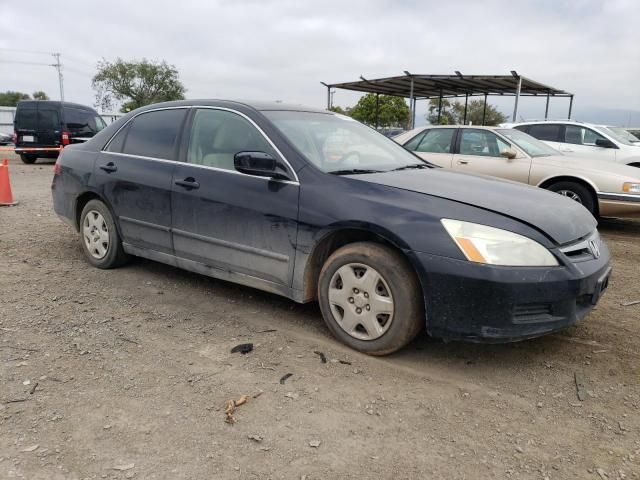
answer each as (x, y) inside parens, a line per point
(25, 63)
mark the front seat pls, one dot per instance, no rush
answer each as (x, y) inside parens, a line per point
(232, 137)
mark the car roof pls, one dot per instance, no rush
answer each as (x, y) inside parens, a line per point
(256, 105)
(568, 122)
(53, 103)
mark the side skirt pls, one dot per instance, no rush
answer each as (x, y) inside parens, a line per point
(227, 275)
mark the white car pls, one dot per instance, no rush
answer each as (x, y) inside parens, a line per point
(584, 140)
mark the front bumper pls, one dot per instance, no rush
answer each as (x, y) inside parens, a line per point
(619, 205)
(484, 303)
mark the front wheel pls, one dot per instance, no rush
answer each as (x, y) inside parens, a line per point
(576, 192)
(99, 237)
(370, 298)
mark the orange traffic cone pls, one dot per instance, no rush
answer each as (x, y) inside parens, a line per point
(6, 197)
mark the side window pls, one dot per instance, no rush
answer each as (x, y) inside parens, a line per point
(154, 134)
(217, 135)
(548, 132)
(437, 140)
(79, 121)
(522, 128)
(415, 141)
(117, 142)
(481, 143)
(581, 136)
(48, 119)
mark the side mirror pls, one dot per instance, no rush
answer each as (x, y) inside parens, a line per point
(510, 154)
(604, 143)
(260, 164)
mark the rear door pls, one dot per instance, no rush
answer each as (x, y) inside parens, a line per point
(434, 145)
(49, 130)
(134, 175)
(223, 218)
(480, 152)
(26, 124)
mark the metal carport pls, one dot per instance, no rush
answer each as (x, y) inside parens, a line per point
(424, 87)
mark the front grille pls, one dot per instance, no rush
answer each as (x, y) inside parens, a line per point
(583, 249)
(532, 313)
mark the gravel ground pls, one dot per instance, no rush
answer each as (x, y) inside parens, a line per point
(125, 374)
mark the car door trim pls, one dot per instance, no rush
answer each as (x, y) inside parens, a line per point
(234, 246)
(296, 180)
(142, 223)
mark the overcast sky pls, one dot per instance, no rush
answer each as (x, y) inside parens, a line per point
(281, 50)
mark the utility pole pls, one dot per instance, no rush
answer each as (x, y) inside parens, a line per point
(58, 67)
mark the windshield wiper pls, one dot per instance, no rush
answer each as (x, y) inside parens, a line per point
(353, 171)
(412, 166)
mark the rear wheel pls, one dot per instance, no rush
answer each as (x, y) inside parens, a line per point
(28, 158)
(576, 192)
(370, 298)
(99, 237)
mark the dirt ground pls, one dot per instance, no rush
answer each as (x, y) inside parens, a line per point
(125, 374)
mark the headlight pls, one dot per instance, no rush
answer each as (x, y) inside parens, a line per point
(482, 244)
(629, 187)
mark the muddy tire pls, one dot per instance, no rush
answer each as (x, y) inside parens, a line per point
(370, 298)
(99, 236)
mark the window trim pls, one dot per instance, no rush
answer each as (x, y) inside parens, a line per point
(187, 125)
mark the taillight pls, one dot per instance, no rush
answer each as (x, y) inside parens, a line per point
(65, 138)
(57, 168)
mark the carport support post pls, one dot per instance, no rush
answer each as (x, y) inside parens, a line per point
(377, 110)
(411, 106)
(440, 107)
(466, 101)
(546, 109)
(570, 106)
(515, 107)
(484, 108)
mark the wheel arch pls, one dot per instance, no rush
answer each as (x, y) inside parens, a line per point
(593, 190)
(340, 235)
(86, 197)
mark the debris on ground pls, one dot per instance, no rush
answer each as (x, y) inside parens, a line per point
(581, 390)
(315, 443)
(628, 304)
(292, 395)
(33, 389)
(30, 449)
(243, 348)
(268, 330)
(344, 362)
(122, 468)
(284, 378)
(322, 356)
(231, 408)
(255, 438)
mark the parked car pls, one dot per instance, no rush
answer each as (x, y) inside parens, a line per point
(622, 133)
(603, 188)
(6, 138)
(391, 132)
(42, 127)
(584, 140)
(258, 194)
(635, 132)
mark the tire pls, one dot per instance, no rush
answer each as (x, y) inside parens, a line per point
(28, 158)
(99, 236)
(577, 192)
(395, 289)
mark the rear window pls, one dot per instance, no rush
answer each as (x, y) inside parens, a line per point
(48, 119)
(154, 134)
(82, 121)
(26, 118)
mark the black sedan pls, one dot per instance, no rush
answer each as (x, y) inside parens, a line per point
(316, 206)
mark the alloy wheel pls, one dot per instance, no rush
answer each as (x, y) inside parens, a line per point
(96, 234)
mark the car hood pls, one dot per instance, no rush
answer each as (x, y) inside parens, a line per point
(561, 219)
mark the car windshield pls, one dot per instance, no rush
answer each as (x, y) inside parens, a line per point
(340, 145)
(531, 146)
(620, 134)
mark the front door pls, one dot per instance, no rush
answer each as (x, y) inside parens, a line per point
(434, 145)
(481, 152)
(134, 176)
(580, 141)
(225, 219)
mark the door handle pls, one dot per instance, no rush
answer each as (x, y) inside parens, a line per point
(189, 183)
(109, 167)
(463, 162)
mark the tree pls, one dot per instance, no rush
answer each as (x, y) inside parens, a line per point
(11, 99)
(393, 111)
(40, 95)
(135, 84)
(453, 113)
